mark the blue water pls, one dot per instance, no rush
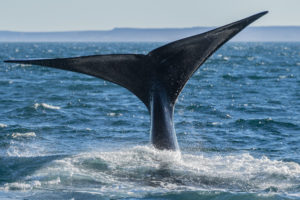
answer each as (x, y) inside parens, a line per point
(65, 135)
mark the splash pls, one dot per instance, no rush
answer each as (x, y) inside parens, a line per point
(24, 147)
(136, 172)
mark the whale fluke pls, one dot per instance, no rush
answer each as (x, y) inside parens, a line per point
(156, 78)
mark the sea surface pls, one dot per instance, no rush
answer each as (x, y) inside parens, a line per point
(65, 135)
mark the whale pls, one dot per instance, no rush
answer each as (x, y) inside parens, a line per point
(156, 78)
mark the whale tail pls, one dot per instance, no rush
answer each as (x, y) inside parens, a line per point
(156, 78)
(172, 65)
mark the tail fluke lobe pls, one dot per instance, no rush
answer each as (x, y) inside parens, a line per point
(177, 61)
(126, 70)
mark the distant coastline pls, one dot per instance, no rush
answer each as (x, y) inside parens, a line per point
(250, 34)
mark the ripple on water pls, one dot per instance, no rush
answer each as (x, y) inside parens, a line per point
(236, 115)
(267, 122)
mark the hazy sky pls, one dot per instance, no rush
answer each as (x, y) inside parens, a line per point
(60, 15)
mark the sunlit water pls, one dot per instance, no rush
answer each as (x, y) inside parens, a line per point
(65, 135)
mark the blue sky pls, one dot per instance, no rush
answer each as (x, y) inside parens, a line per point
(61, 15)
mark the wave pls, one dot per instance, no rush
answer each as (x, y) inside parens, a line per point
(232, 77)
(47, 106)
(265, 122)
(30, 185)
(23, 145)
(20, 185)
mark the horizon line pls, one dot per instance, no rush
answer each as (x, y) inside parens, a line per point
(142, 28)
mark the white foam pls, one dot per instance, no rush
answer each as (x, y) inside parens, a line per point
(29, 134)
(44, 105)
(20, 148)
(112, 114)
(282, 77)
(21, 185)
(250, 58)
(228, 116)
(3, 125)
(54, 181)
(226, 58)
(17, 186)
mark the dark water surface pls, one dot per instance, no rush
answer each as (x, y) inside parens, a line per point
(65, 135)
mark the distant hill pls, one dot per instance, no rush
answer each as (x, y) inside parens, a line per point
(251, 34)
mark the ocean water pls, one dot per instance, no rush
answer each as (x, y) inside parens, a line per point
(65, 135)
